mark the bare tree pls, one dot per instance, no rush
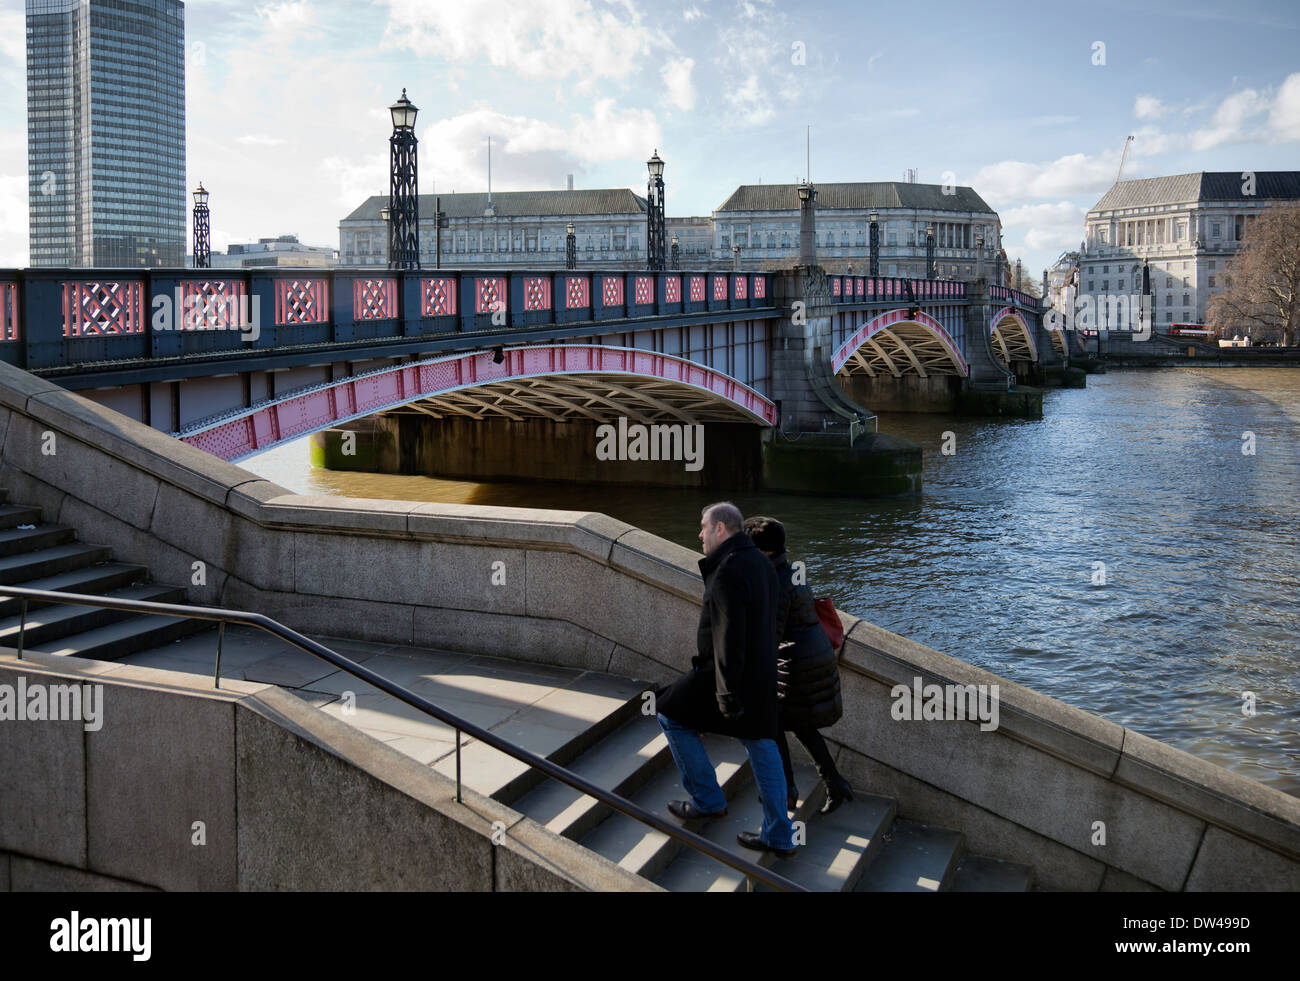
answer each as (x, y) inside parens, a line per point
(1262, 284)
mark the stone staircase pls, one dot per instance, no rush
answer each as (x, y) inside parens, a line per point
(587, 721)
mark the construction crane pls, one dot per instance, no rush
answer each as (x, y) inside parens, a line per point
(1123, 157)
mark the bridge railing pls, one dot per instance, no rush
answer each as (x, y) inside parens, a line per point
(55, 317)
(892, 289)
(1019, 298)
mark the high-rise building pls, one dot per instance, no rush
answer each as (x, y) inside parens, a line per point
(106, 132)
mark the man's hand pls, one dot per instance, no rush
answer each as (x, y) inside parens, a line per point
(732, 710)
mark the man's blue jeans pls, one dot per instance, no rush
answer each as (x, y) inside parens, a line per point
(701, 782)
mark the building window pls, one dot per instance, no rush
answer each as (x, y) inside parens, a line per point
(726, 244)
(861, 240)
(1092, 285)
(1169, 282)
(1105, 269)
(1169, 300)
(1105, 284)
(1216, 229)
(1185, 299)
(1119, 285)
(1210, 264)
(1211, 282)
(785, 240)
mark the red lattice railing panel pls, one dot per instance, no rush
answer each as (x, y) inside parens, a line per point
(537, 292)
(760, 287)
(645, 289)
(99, 308)
(439, 296)
(673, 289)
(490, 294)
(213, 304)
(301, 301)
(697, 289)
(740, 288)
(719, 287)
(374, 299)
(611, 291)
(577, 293)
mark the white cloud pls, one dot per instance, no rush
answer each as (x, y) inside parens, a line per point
(692, 14)
(1047, 227)
(756, 66)
(259, 139)
(676, 76)
(1148, 107)
(533, 40)
(1284, 116)
(13, 36)
(871, 60)
(1230, 119)
(291, 15)
(1015, 180)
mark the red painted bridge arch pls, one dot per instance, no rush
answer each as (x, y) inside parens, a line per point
(555, 381)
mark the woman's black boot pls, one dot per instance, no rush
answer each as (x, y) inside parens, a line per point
(837, 792)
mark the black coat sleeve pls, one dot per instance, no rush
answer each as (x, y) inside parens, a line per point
(727, 615)
(784, 599)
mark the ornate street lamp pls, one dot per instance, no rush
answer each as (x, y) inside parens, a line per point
(874, 239)
(676, 255)
(655, 213)
(202, 244)
(1017, 274)
(570, 248)
(403, 195)
(930, 271)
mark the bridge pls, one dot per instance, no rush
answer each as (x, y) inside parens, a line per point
(238, 361)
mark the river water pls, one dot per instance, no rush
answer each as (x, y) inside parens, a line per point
(997, 562)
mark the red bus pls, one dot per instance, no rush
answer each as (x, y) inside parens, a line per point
(1192, 330)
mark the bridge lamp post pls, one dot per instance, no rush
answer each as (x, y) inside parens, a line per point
(403, 195)
(735, 258)
(930, 271)
(979, 256)
(655, 213)
(202, 243)
(439, 223)
(676, 255)
(570, 248)
(807, 225)
(874, 238)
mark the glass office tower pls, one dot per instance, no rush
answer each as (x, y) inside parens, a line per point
(106, 132)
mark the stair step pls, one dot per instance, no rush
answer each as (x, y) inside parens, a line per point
(494, 774)
(19, 569)
(621, 763)
(976, 873)
(93, 579)
(13, 515)
(115, 640)
(840, 845)
(50, 623)
(914, 858)
(642, 849)
(14, 541)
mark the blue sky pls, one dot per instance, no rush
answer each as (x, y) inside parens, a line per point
(287, 118)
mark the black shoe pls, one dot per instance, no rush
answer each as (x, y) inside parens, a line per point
(752, 840)
(837, 792)
(687, 811)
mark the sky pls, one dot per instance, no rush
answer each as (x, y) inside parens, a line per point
(1029, 104)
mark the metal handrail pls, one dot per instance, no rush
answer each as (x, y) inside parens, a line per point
(750, 870)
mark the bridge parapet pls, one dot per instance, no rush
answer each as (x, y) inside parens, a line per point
(53, 318)
(874, 291)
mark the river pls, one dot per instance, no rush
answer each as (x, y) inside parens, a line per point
(996, 563)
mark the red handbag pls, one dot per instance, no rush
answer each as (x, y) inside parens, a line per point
(830, 621)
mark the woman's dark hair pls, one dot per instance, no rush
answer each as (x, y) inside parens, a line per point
(767, 533)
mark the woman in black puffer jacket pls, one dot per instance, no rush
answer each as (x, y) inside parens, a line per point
(808, 678)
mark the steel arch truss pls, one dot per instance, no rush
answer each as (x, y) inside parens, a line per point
(1012, 338)
(559, 382)
(896, 344)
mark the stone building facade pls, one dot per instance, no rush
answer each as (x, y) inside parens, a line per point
(1185, 227)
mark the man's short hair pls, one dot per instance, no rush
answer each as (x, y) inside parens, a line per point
(727, 513)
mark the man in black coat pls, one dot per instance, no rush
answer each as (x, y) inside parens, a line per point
(731, 687)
